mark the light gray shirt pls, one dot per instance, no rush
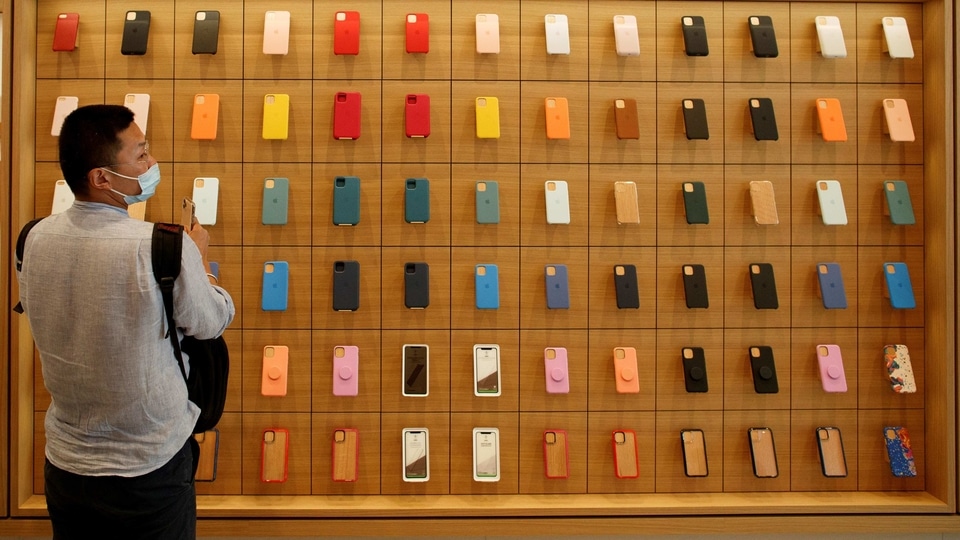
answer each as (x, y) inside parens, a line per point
(119, 403)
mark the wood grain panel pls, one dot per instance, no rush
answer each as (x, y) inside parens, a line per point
(532, 465)
(395, 229)
(604, 312)
(367, 316)
(88, 59)
(533, 43)
(672, 143)
(297, 146)
(806, 390)
(738, 389)
(807, 64)
(673, 64)
(604, 228)
(672, 226)
(737, 464)
(874, 384)
(738, 304)
(467, 64)
(157, 63)
(875, 226)
(367, 64)
(462, 397)
(299, 463)
(369, 446)
(298, 371)
(602, 392)
(532, 376)
(806, 472)
(671, 477)
(298, 312)
(533, 294)
(874, 64)
(298, 62)
(739, 62)
(391, 453)
(368, 370)
(742, 145)
(672, 392)
(461, 453)
(605, 64)
(465, 231)
(228, 146)
(464, 314)
(393, 310)
(299, 227)
(438, 371)
(228, 62)
(601, 475)
(435, 64)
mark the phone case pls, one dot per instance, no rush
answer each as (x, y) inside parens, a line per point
(488, 33)
(695, 203)
(276, 275)
(273, 377)
(764, 370)
(276, 32)
(830, 37)
(416, 454)
(416, 370)
(206, 193)
(206, 116)
(346, 115)
(762, 36)
(694, 370)
(695, 119)
(346, 455)
(416, 285)
(558, 290)
(833, 464)
(555, 370)
(416, 116)
(487, 286)
(418, 33)
(346, 200)
(140, 105)
(488, 202)
(486, 370)
(763, 119)
(899, 287)
(625, 282)
(763, 452)
(557, 33)
(899, 369)
(694, 35)
(346, 286)
(898, 202)
(555, 454)
(625, 463)
(695, 286)
(488, 117)
(832, 293)
(346, 33)
(276, 116)
(276, 195)
(209, 443)
(896, 120)
(557, 117)
(830, 196)
(65, 105)
(557, 201)
(694, 453)
(206, 32)
(899, 452)
(66, 33)
(273, 455)
(830, 120)
(626, 35)
(896, 37)
(136, 30)
(416, 200)
(346, 374)
(830, 362)
(625, 196)
(486, 454)
(62, 197)
(625, 116)
(625, 370)
(764, 203)
(764, 286)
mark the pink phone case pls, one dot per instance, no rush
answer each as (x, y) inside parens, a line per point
(345, 373)
(830, 361)
(555, 370)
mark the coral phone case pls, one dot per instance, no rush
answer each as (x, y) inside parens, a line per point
(830, 197)
(488, 117)
(136, 31)
(346, 286)
(694, 453)
(486, 370)
(346, 201)
(764, 370)
(273, 455)
(899, 368)
(488, 33)
(899, 452)
(346, 115)
(694, 370)
(276, 116)
(555, 454)
(896, 120)
(416, 454)
(833, 464)
(487, 286)
(695, 119)
(346, 370)
(276, 32)
(764, 286)
(209, 443)
(273, 376)
(899, 287)
(206, 32)
(830, 363)
(416, 285)
(763, 120)
(832, 293)
(65, 105)
(555, 370)
(346, 33)
(830, 120)
(557, 117)
(416, 117)
(625, 463)
(346, 455)
(557, 202)
(557, 33)
(625, 35)
(764, 203)
(899, 205)
(625, 196)
(417, 32)
(276, 196)
(66, 34)
(694, 35)
(764, 452)
(488, 202)
(830, 37)
(762, 36)
(557, 287)
(275, 284)
(205, 118)
(695, 286)
(625, 281)
(625, 370)
(625, 116)
(695, 203)
(896, 37)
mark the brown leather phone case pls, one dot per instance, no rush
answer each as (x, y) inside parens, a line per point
(625, 114)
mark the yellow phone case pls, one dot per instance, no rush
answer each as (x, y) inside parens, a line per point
(276, 115)
(488, 118)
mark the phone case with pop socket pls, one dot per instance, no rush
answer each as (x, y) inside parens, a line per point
(899, 452)
(625, 116)
(346, 455)
(896, 37)
(346, 376)
(625, 281)
(763, 452)
(625, 460)
(625, 370)
(764, 370)
(555, 454)
(273, 377)
(556, 371)
(694, 453)
(346, 33)
(66, 33)
(694, 35)
(763, 120)
(899, 287)
(695, 119)
(625, 196)
(694, 370)
(899, 205)
(830, 363)
(625, 35)
(896, 120)
(763, 39)
(832, 292)
(830, 197)
(899, 368)
(274, 445)
(833, 464)
(418, 33)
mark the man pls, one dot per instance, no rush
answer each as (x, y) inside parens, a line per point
(120, 455)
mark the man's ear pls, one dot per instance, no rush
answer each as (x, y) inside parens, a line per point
(98, 179)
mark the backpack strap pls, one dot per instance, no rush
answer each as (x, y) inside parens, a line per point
(21, 242)
(166, 246)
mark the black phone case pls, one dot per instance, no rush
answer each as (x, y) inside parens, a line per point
(763, 37)
(695, 120)
(764, 370)
(763, 119)
(135, 34)
(346, 286)
(628, 297)
(695, 287)
(695, 371)
(206, 33)
(764, 286)
(416, 285)
(695, 204)
(695, 37)
(415, 370)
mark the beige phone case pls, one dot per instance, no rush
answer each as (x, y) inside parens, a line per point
(625, 194)
(625, 454)
(764, 203)
(832, 461)
(207, 465)
(694, 452)
(764, 453)
(345, 455)
(555, 454)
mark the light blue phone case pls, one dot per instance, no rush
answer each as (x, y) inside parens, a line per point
(899, 286)
(487, 286)
(276, 275)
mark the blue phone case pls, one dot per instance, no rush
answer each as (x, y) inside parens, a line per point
(898, 285)
(274, 295)
(215, 269)
(346, 200)
(831, 286)
(416, 200)
(275, 200)
(487, 286)
(558, 292)
(899, 451)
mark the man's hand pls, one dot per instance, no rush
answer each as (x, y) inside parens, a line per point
(201, 238)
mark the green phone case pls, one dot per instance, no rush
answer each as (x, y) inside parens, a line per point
(488, 201)
(898, 202)
(416, 200)
(346, 200)
(276, 193)
(695, 203)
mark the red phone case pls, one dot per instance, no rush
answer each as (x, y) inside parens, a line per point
(65, 34)
(346, 33)
(346, 115)
(417, 115)
(418, 33)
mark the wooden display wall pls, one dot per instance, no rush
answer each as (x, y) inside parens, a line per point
(453, 159)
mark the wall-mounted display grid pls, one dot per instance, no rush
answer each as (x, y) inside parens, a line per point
(591, 78)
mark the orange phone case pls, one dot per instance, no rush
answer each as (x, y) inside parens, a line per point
(625, 369)
(558, 118)
(206, 113)
(830, 120)
(555, 454)
(273, 379)
(346, 455)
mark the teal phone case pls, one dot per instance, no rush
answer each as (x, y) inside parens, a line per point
(276, 275)
(276, 194)
(416, 200)
(898, 202)
(346, 200)
(488, 202)
(695, 203)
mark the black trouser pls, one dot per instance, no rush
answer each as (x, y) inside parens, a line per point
(158, 505)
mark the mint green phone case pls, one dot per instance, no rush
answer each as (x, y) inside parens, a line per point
(488, 201)
(276, 194)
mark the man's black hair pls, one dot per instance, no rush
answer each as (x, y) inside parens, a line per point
(89, 139)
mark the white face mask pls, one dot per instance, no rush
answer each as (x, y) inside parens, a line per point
(148, 184)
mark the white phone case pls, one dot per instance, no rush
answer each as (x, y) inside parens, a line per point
(206, 192)
(488, 33)
(558, 33)
(62, 197)
(832, 209)
(486, 454)
(140, 105)
(276, 32)
(626, 34)
(416, 447)
(558, 202)
(896, 37)
(830, 35)
(65, 105)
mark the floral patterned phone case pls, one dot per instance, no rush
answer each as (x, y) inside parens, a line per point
(899, 369)
(899, 451)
